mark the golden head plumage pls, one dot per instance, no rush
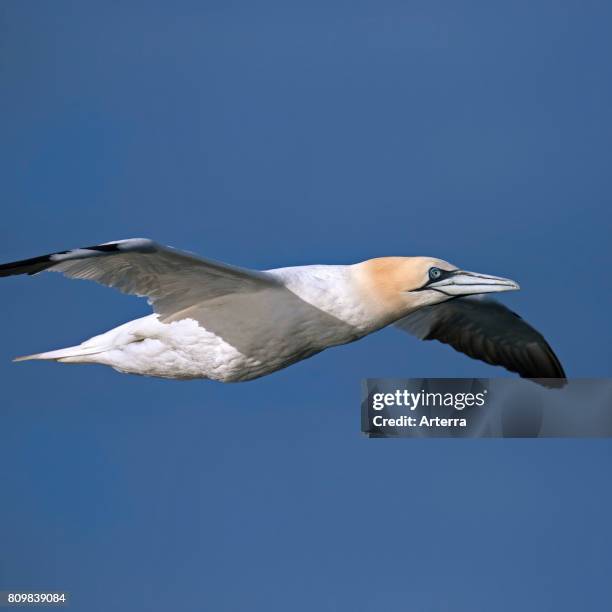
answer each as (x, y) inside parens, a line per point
(396, 286)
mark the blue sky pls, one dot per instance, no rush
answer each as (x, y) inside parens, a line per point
(268, 134)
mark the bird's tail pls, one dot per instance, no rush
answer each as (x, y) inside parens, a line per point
(71, 354)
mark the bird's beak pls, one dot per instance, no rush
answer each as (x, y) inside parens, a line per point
(461, 282)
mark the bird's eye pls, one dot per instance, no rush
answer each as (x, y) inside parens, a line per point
(435, 273)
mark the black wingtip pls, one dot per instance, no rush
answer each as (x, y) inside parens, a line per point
(26, 266)
(39, 264)
(549, 371)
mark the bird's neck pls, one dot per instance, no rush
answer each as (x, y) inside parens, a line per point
(333, 289)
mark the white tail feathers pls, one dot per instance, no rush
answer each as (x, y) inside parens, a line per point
(72, 352)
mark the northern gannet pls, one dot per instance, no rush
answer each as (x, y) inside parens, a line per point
(221, 322)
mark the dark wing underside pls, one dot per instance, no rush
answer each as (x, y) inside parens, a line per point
(486, 330)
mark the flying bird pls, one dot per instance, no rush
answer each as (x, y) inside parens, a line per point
(225, 323)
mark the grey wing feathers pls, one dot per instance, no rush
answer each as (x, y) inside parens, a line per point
(485, 329)
(172, 280)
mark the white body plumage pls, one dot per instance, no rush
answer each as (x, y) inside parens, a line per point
(329, 312)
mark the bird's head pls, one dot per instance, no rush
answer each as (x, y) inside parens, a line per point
(400, 285)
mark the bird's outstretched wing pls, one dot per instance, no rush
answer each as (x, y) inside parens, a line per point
(172, 280)
(485, 329)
